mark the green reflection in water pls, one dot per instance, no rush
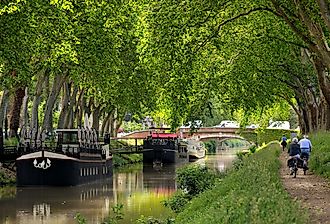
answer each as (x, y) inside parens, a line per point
(7, 192)
(145, 204)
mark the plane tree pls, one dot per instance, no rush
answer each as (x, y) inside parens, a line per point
(79, 54)
(247, 53)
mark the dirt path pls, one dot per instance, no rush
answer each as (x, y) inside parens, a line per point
(312, 191)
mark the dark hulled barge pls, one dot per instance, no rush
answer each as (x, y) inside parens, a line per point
(78, 158)
(160, 148)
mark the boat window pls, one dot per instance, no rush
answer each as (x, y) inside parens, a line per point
(70, 137)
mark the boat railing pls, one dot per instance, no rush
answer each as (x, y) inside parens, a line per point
(73, 151)
(159, 143)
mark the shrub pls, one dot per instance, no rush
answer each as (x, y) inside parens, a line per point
(194, 179)
(268, 135)
(178, 201)
(320, 155)
(7, 177)
(152, 220)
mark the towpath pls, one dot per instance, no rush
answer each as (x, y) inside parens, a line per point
(312, 191)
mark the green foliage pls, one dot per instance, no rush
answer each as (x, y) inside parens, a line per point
(268, 135)
(80, 219)
(253, 149)
(178, 201)
(320, 155)
(6, 177)
(7, 192)
(125, 159)
(10, 141)
(252, 194)
(194, 179)
(131, 126)
(114, 218)
(117, 215)
(211, 146)
(249, 136)
(152, 220)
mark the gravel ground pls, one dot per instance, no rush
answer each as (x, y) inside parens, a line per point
(312, 191)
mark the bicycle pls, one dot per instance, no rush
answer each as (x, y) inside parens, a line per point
(293, 165)
(304, 158)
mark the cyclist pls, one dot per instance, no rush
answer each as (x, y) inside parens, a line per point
(305, 147)
(294, 152)
(283, 142)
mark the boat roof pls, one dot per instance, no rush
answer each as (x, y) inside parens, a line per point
(164, 135)
(46, 154)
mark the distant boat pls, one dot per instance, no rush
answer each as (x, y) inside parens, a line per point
(78, 158)
(192, 149)
(159, 148)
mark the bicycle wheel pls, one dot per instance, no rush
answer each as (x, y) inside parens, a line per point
(295, 169)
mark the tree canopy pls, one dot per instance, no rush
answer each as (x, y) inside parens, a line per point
(175, 60)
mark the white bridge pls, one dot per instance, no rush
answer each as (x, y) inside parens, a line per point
(219, 137)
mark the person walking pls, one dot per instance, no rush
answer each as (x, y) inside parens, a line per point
(283, 142)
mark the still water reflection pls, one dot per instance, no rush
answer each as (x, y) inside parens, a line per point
(140, 190)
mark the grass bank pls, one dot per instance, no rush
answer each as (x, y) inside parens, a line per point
(320, 156)
(252, 193)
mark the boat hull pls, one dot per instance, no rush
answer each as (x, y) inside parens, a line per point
(162, 156)
(192, 156)
(53, 169)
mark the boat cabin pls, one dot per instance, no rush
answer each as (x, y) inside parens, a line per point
(161, 140)
(67, 136)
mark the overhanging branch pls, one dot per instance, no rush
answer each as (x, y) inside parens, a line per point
(219, 26)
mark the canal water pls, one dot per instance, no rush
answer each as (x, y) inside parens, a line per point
(140, 189)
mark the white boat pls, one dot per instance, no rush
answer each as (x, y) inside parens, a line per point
(192, 149)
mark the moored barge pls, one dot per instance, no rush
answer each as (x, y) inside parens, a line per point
(160, 148)
(77, 159)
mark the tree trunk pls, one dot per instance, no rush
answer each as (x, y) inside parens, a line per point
(16, 112)
(25, 112)
(3, 107)
(104, 123)
(322, 79)
(69, 121)
(64, 105)
(48, 118)
(96, 118)
(80, 108)
(36, 101)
